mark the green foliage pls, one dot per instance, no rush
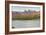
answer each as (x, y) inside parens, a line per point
(26, 17)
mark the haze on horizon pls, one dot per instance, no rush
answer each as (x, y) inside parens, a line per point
(21, 9)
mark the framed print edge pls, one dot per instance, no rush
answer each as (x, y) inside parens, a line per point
(7, 17)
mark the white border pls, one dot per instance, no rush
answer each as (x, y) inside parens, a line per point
(24, 29)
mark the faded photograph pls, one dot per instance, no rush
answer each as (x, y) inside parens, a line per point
(25, 17)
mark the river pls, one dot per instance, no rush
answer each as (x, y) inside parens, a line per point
(25, 23)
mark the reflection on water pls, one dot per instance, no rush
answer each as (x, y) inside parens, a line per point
(25, 23)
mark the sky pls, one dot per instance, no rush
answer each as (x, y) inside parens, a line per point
(21, 9)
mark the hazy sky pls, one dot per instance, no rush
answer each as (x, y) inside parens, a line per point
(21, 9)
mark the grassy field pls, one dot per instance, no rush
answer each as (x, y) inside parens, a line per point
(26, 17)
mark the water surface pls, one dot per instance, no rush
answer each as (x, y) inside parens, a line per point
(25, 23)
